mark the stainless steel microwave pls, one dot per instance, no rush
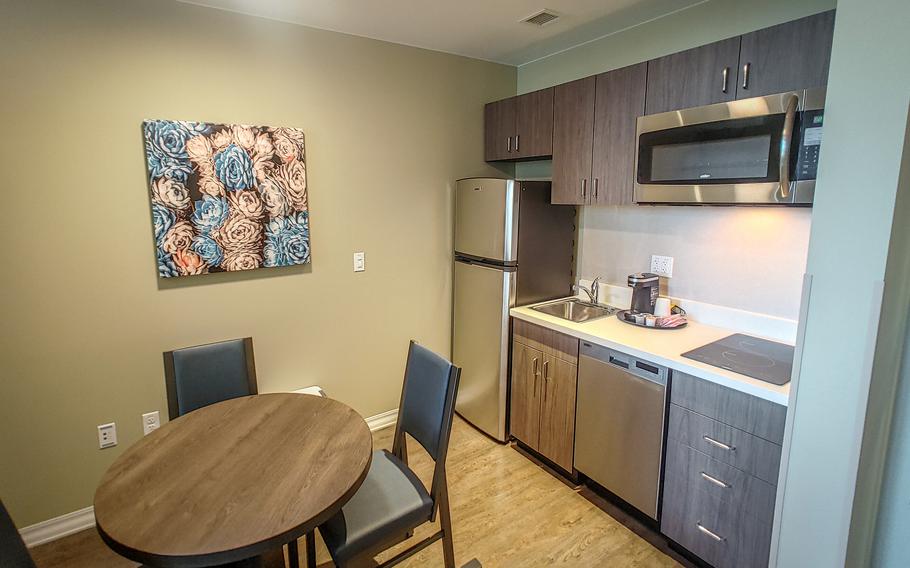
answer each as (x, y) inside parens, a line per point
(759, 151)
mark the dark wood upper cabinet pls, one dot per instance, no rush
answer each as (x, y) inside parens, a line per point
(787, 57)
(534, 124)
(619, 101)
(519, 127)
(573, 141)
(695, 77)
(499, 127)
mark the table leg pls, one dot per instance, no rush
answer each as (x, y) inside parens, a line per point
(293, 555)
(311, 549)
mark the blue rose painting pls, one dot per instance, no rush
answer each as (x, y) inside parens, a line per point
(226, 197)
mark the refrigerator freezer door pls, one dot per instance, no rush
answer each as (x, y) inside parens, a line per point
(480, 344)
(486, 219)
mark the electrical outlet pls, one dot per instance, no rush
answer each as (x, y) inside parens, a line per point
(359, 261)
(107, 435)
(662, 265)
(150, 422)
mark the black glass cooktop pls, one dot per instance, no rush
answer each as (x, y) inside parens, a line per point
(761, 359)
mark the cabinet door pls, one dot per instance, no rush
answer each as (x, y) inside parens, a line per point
(573, 141)
(499, 130)
(557, 417)
(619, 101)
(695, 77)
(787, 57)
(534, 125)
(525, 406)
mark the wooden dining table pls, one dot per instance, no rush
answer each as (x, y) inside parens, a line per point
(233, 480)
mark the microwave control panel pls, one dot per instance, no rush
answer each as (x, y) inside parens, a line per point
(810, 139)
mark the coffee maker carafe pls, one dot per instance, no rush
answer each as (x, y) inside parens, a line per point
(645, 289)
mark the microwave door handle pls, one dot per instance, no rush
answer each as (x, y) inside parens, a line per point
(786, 141)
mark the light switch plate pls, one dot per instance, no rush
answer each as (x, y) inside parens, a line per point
(359, 261)
(662, 265)
(151, 421)
(107, 435)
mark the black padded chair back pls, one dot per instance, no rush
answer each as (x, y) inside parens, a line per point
(203, 375)
(428, 399)
(13, 553)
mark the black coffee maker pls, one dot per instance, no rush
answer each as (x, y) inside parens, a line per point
(645, 289)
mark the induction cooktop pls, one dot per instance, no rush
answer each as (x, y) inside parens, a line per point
(758, 358)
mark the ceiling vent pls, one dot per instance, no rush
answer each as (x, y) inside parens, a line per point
(542, 18)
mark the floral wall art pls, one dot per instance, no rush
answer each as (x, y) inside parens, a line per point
(226, 197)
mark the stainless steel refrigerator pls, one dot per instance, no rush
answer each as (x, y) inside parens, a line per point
(511, 248)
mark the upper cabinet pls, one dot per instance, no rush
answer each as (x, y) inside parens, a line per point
(499, 128)
(519, 127)
(594, 137)
(573, 141)
(695, 77)
(787, 57)
(619, 101)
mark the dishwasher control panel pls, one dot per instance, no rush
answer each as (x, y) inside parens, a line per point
(628, 363)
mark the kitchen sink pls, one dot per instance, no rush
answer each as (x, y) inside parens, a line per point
(575, 310)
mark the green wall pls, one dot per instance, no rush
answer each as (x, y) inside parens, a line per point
(703, 23)
(388, 130)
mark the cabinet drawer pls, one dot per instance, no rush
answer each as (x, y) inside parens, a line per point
(751, 454)
(687, 467)
(718, 533)
(545, 340)
(749, 413)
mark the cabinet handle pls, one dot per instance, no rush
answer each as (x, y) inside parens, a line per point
(516, 142)
(720, 445)
(725, 74)
(595, 189)
(546, 369)
(534, 362)
(715, 481)
(536, 374)
(509, 143)
(584, 189)
(746, 68)
(710, 533)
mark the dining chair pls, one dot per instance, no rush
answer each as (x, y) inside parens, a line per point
(392, 501)
(13, 553)
(206, 374)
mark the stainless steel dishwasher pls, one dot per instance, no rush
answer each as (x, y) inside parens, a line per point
(619, 422)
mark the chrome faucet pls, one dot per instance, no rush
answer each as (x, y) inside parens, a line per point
(592, 292)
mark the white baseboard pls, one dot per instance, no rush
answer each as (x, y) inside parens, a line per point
(58, 527)
(65, 525)
(383, 420)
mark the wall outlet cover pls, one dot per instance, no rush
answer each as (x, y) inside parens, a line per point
(662, 265)
(359, 261)
(107, 435)
(151, 421)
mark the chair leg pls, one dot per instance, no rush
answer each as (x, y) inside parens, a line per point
(311, 549)
(293, 555)
(445, 523)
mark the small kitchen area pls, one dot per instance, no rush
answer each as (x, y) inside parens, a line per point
(626, 314)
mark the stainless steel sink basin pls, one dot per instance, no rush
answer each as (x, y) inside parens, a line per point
(575, 310)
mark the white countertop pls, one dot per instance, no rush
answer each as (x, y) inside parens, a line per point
(660, 346)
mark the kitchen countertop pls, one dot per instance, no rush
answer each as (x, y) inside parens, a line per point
(661, 346)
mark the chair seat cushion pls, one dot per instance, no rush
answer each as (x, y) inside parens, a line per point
(391, 501)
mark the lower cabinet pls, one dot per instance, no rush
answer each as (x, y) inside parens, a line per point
(544, 379)
(720, 478)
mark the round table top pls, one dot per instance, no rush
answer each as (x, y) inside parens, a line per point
(233, 480)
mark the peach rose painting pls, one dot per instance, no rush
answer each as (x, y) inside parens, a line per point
(226, 197)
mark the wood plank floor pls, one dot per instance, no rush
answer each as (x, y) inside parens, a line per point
(506, 510)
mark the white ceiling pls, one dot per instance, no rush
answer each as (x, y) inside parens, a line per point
(483, 29)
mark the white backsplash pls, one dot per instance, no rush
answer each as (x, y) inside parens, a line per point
(742, 260)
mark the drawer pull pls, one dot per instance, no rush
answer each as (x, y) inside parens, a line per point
(715, 481)
(710, 533)
(720, 445)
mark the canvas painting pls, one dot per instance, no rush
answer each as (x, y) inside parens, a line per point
(226, 197)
